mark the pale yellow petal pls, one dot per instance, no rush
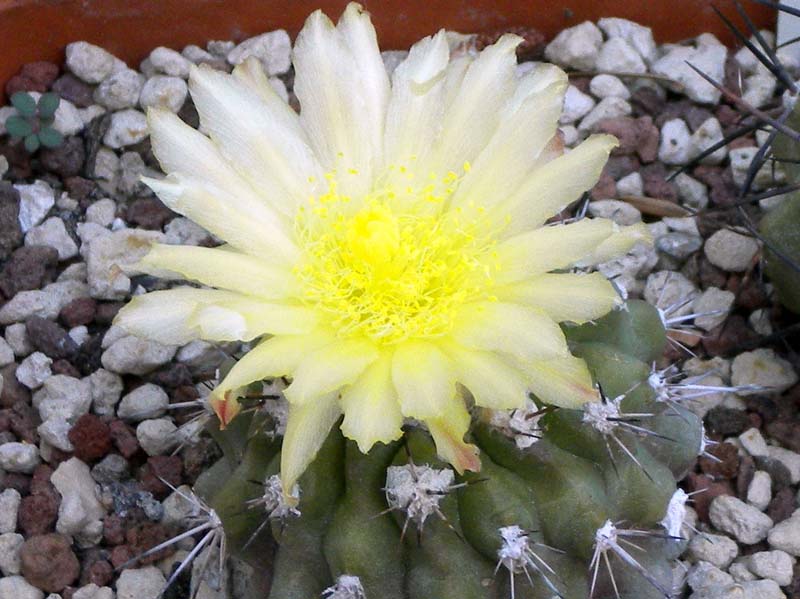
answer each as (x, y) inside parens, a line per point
(329, 369)
(493, 382)
(371, 406)
(277, 356)
(563, 382)
(328, 85)
(448, 432)
(574, 297)
(473, 115)
(261, 139)
(550, 248)
(618, 244)
(549, 188)
(416, 104)
(527, 123)
(252, 229)
(423, 378)
(517, 330)
(306, 430)
(219, 268)
(162, 315)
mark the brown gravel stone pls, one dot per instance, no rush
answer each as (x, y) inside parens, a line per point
(48, 562)
(161, 468)
(531, 48)
(40, 480)
(123, 437)
(722, 189)
(786, 432)
(149, 213)
(21, 483)
(726, 421)
(13, 391)
(99, 571)
(78, 312)
(750, 293)
(604, 189)
(114, 530)
(728, 464)
(69, 87)
(28, 268)
(145, 536)
(654, 177)
(171, 376)
(646, 101)
(675, 109)
(710, 275)
(121, 554)
(106, 311)
(782, 505)
(747, 470)
(24, 421)
(619, 166)
(91, 438)
(64, 367)
(10, 233)
(80, 189)
(38, 513)
(728, 337)
(65, 160)
(50, 338)
(33, 77)
(709, 489)
(20, 165)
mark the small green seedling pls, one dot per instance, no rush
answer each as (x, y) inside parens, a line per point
(34, 121)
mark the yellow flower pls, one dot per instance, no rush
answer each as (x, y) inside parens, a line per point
(386, 243)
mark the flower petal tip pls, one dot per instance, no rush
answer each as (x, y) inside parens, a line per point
(226, 409)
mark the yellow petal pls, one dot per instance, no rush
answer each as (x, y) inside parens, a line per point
(472, 117)
(371, 407)
(527, 123)
(618, 244)
(261, 138)
(277, 356)
(492, 381)
(549, 248)
(416, 104)
(329, 368)
(163, 316)
(550, 188)
(250, 228)
(219, 268)
(448, 432)
(423, 378)
(573, 297)
(563, 382)
(306, 430)
(522, 332)
(244, 318)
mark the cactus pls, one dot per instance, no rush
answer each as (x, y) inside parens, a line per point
(569, 503)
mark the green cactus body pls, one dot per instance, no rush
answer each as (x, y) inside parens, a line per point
(535, 514)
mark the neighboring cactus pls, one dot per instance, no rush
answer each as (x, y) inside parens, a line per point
(583, 503)
(34, 122)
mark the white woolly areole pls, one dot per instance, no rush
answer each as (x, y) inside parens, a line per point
(346, 587)
(676, 513)
(658, 383)
(273, 500)
(598, 414)
(513, 553)
(417, 490)
(521, 424)
(606, 537)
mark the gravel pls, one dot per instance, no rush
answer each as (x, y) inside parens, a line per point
(746, 523)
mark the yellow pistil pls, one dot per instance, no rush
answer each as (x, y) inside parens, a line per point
(393, 270)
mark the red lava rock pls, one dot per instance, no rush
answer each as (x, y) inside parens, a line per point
(732, 79)
(38, 513)
(619, 166)
(654, 178)
(782, 505)
(531, 48)
(786, 432)
(750, 292)
(158, 468)
(50, 338)
(727, 467)
(106, 311)
(709, 490)
(100, 572)
(120, 555)
(113, 530)
(40, 480)
(675, 109)
(65, 160)
(171, 376)
(696, 116)
(90, 437)
(48, 562)
(710, 275)
(10, 233)
(69, 87)
(747, 470)
(21, 483)
(28, 268)
(79, 311)
(636, 136)
(20, 165)
(722, 189)
(13, 391)
(123, 437)
(729, 336)
(605, 188)
(149, 213)
(33, 77)
(80, 188)
(5, 421)
(145, 536)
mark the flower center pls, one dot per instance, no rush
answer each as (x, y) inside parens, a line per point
(395, 264)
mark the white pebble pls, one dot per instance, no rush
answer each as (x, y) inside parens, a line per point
(127, 127)
(157, 436)
(19, 457)
(170, 62)
(618, 56)
(53, 233)
(773, 565)
(675, 143)
(10, 545)
(730, 251)
(754, 443)
(144, 402)
(161, 91)
(607, 86)
(786, 535)
(759, 493)
(748, 524)
(576, 47)
(35, 201)
(273, 49)
(88, 62)
(34, 370)
(120, 90)
(576, 105)
(762, 367)
(718, 550)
